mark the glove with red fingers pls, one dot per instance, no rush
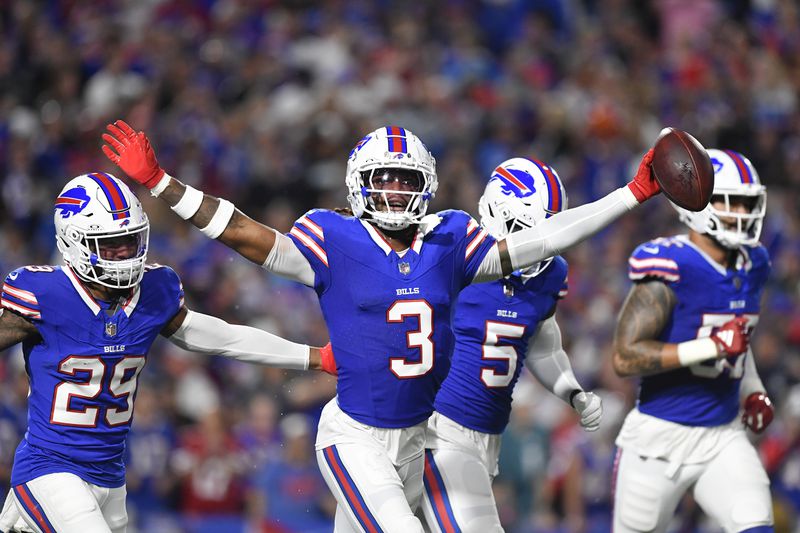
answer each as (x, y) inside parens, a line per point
(327, 362)
(731, 338)
(758, 412)
(644, 184)
(131, 151)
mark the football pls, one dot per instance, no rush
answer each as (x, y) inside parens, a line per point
(683, 169)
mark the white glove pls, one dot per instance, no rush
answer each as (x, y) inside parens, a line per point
(590, 408)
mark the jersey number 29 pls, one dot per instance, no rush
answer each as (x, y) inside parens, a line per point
(123, 382)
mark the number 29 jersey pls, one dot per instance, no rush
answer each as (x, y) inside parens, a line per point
(83, 370)
(389, 315)
(708, 295)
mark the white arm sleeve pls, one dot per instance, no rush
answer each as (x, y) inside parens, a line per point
(562, 230)
(286, 260)
(211, 335)
(751, 381)
(548, 362)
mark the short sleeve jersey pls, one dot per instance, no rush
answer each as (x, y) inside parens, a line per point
(389, 315)
(708, 295)
(493, 326)
(84, 368)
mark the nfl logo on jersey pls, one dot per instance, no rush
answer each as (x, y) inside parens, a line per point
(404, 268)
(111, 329)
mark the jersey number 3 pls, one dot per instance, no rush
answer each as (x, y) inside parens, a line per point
(420, 338)
(122, 384)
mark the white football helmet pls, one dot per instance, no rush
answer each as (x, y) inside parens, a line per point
(521, 193)
(92, 213)
(391, 147)
(734, 175)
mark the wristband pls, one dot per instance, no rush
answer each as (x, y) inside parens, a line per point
(189, 203)
(697, 351)
(220, 219)
(161, 185)
(572, 395)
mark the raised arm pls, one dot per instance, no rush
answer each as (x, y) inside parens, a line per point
(210, 335)
(216, 218)
(645, 314)
(527, 247)
(14, 329)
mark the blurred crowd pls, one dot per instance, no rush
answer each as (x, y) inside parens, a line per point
(261, 101)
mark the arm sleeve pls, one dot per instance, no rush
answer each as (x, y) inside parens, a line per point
(286, 260)
(751, 382)
(553, 235)
(210, 335)
(548, 362)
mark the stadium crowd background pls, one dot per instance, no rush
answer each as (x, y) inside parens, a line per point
(261, 101)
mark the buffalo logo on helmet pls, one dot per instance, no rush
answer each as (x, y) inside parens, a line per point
(72, 202)
(360, 144)
(514, 182)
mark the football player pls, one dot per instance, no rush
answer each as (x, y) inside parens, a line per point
(387, 279)
(498, 327)
(85, 329)
(684, 329)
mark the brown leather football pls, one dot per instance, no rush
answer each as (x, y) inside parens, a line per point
(683, 169)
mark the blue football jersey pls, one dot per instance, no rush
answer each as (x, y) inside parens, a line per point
(389, 315)
(708, 295)
(83, 370)
(493, 324)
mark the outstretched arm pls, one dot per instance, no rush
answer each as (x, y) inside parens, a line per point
(14, 329)
(527, 247)
(217, 218)
(548, 362)
(210, 335)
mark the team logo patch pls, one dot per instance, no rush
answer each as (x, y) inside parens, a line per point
(72, 202)
(404, 268)
(111, 328)
(514, 182)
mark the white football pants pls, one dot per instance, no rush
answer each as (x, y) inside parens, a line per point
(375, 474)
(460, 464)
(732, 488)
(64, 503)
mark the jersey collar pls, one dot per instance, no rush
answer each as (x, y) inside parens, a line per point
(742, 257)
(383, 244)
(89, 300)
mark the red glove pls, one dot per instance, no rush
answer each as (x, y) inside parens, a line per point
(644, 184)
(758, 412)
(327, 362)
(732, 338)
(132, 153)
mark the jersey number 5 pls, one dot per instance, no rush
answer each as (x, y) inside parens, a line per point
(122, 384)
(492, 349)
(420, 338)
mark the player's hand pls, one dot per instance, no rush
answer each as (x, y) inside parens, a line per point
(644, 184)
(589, 407)
(758, 412)
(731, 338)
(327, 362)
(132, 152)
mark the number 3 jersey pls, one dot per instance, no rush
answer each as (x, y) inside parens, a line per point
(83, 370)
(389, 315)
(708, 295)
(493, 325)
